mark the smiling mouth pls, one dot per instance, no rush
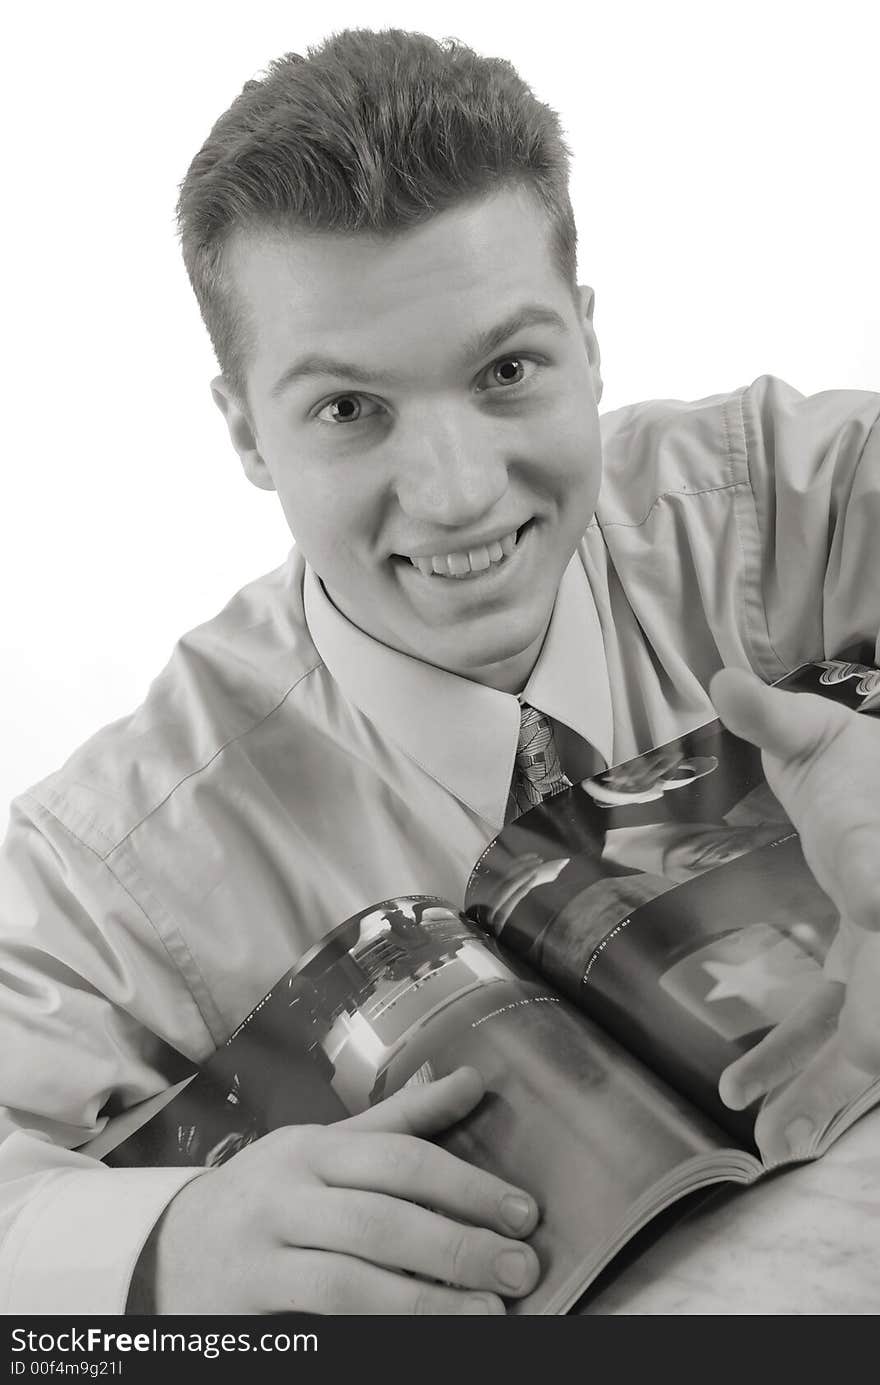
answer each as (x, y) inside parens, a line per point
(469, 563)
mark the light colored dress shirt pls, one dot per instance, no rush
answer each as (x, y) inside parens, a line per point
(286, 770)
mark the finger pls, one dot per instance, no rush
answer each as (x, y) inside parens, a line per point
(792, 726)
(851, 868)
(841, 956)
(791, 1121)
(859, 1024)
(785, 1051)
(426, 1109)
(423, 1173)
(397, 1234)
(314, 1281)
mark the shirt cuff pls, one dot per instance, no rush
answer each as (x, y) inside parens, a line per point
(74, 1249)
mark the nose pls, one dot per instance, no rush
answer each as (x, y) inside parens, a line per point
(451, 470)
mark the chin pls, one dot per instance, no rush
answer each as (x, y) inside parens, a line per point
(479, 661)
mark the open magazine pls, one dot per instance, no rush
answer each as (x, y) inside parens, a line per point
(620, 944)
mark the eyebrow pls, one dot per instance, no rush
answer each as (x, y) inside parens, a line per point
(477, 346)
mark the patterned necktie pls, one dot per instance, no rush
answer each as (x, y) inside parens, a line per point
(537, 771)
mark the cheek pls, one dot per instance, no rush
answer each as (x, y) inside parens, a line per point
(334, 526)
(312, 500)
(576, 442)
(579, 472)
(312, 523)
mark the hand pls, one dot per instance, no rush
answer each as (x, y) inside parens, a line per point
(359, 1217)
(823, 763)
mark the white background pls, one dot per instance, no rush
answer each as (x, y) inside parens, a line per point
(726, 191)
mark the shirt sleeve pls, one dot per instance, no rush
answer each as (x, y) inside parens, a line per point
(79, 1229)
(814, 468)
(94, 1017)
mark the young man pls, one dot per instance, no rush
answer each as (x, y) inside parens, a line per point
(382, 245)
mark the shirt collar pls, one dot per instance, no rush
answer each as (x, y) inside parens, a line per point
(462, 733)
(570, 680)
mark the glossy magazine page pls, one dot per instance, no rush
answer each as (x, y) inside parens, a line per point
(669, 899)
(409, 990)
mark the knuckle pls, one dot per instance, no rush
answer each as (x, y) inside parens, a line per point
(306, 1144)
(307, 1136)
(324, 1286)
(788, 1064)
(291, 1139)
(459, 1256)
(404, 1159)
(334, 1284)
(427, 1301)
(363, 1226)
(481, 1191)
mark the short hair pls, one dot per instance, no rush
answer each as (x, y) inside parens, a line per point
(374, 131)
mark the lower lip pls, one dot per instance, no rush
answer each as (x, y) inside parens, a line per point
(488, 574)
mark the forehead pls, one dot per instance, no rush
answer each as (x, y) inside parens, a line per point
(458, 272)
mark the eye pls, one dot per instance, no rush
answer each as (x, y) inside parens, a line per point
(346, 408)
(508, 371)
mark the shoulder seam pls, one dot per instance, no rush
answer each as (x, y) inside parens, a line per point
(86, 846)
(219, 751)
(114, 843)
(666, 495)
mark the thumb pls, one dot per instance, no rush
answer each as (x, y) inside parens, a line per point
(859, 1030)
(424, 1110)
(791, 726)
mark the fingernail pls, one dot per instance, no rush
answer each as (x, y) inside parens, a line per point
(798, 1134)
(512, 1268)
(516, 1211)
(476, 1304)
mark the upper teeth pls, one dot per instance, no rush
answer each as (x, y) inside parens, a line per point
(464, 561)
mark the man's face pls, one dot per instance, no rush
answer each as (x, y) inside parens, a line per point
(426, 408)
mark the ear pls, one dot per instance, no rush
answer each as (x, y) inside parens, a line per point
(586, 301)
(242, 434)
